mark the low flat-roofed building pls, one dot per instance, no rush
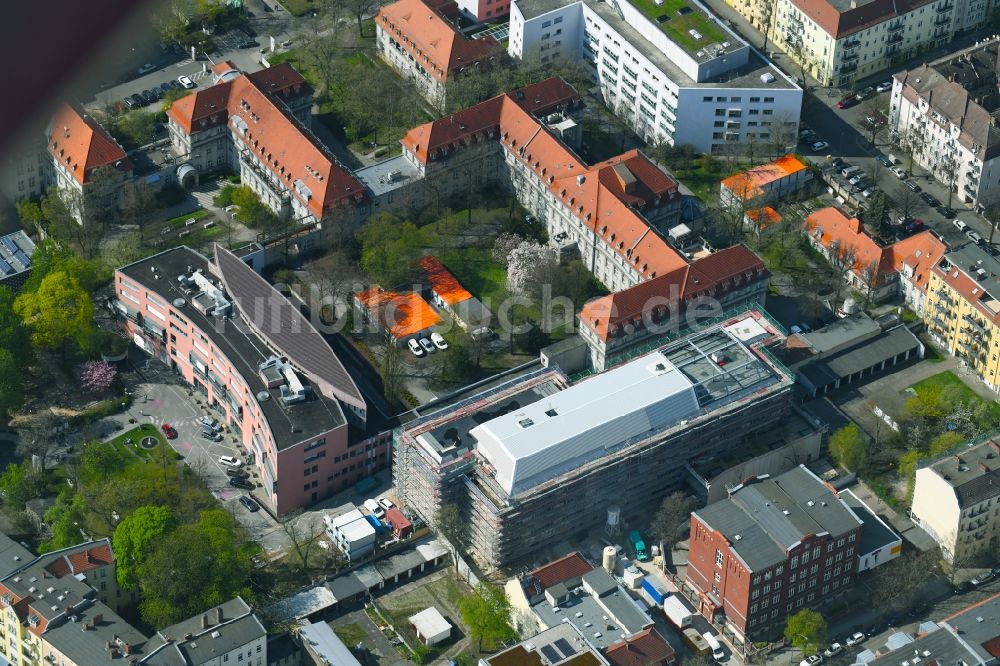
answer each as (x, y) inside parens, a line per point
(647, 648)
(403, 316)
(449, 294)
(764, 183)
(940, 646)
(352, 533)
(430, 626)
(879, 542)
(561, 645)
(323, 645)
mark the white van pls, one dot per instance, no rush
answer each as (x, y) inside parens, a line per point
(850, 171)
(374, 508)
(717, 652)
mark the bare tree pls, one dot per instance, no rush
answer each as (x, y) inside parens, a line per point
(40, 436)
(842, 260)
(946, 169)
(304, 535)
(875, 120)
(896, 587)
(912, 143)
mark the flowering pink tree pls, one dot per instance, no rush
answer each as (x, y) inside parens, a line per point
(529, 266)
(97, 376)
(503, 246)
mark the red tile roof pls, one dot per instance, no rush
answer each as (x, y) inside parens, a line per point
(563, 569)
(654, 299)
(919, 252)
(81, 561)
(402, 315)
(763, 217)
(750, 184)
(423, 29)
(442, 282)
(842, 23)
(80, 144)
(273, 135)
(646, 648)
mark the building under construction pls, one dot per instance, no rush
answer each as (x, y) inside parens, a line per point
(541, 458)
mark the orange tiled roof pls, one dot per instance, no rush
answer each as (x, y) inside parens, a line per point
(566, 567)
(749, 184)
(80, 144)
(444, 284)
(920, 252)
(402, 315)
(422, 28)
(709, 276)
(764, 217)
(968, 289)
(273, 135)
(81, 561)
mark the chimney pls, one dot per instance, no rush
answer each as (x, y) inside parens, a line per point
(97, 619)
(218, 614)
(983, 467)
(204, 621)
(994, 446)
(85, 626)
(127, 648)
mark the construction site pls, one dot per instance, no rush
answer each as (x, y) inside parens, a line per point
(540, 458)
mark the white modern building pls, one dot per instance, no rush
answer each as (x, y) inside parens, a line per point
(549, 437)
(679, 77)
(352, 533)
(945, 112)
(956, 499)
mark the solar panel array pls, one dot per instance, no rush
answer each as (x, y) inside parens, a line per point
(9, 244)
(5, 267)
(564, 647)
(551, 654)
(12, 256)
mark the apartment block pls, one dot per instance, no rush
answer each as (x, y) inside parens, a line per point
(259, 364)
(229, 633)
(841, 41)
(956, 499)
(962, 312)
(257, 125)
(946, 112)
(89, 168)
(681, 77)
(775, 546)
(531, 461)
(421, 40)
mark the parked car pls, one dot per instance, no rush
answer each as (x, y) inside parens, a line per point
(235, 472)
(958, 224)
(811, 661)
(930, 199)
(993, 252)
(438, 341)
(898, 173)
(855, 179)
(149, 96)
(884, 160)
(209, 435)
(185, 81)
(849, 171)
(374, 508)
(848, 101)
(129, 104)
(867, 192)
(240, 482)
(415, 348)
(977, 239)
(208, 422)
(833, 650)
(912, 186)
(137, 100)
(856, 638)
(250, 503)
(385, 503)
(962, 587)
(945, 211)
(838, 163)
(884, 86)
(230, 461)
(913, 226)
(147, 68)
(818, 146)
(865, 93)
(165, 86)
(986, 576)
(874, 119)
(168, 431)
(427, 345)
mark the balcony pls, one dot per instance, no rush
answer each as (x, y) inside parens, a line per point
(895, 25)
(891, 50)
(849, 57)
(974, 324)
(852, 43)
(942, 19)
(895, 38)
(848, 68)
(947, 7)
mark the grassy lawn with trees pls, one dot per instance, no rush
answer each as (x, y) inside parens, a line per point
(948, 385)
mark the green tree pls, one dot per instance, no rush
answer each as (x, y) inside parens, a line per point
(390, 248)
(65, 519)
(20, 483)
(60, 311)
(908, 469)
(52, 256)
(806, 630)
(136, 128)
(251, 210)
(875, 215)
(13, 336)
(849, 448)
(929, 403)
(486, 613)
(673, 518)
(30, 214)
(448, 521)
(172, 96)
(200, 565)
(11, 384)
(135, 538)
(946, 441)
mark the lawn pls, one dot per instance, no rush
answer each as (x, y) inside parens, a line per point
(678, 25)
(444, 593)
(352, 634)
(478, 273)
(180, 220)
(299, 7)
(949, 381)
(136, 435)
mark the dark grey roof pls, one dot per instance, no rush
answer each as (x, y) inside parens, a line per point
(215, 632)
(974, 472)
(874, 532)
(854, 359)
(90, 647)
(13, 556)
(941, 647)
(765, 518)
(346, 586)
(978, 625)
(399, 563)
(600, 581)
(290, 424)
(286, 328)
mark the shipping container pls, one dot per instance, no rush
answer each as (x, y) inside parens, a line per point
(655, 591)
(695, 642)
(677, 612)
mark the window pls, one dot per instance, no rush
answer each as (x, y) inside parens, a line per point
(805, 556)
(719, 123)
(718, 576)
(816, 552)
(718, 558)
(755, 594)
(754, 100)
(547, 24)
(767, 588)
(557, 19)
(768, 100)
(777, 584)
(850, 551)
(840, 543)
(706, 99)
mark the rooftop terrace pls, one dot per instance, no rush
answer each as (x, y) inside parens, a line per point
(684, 22)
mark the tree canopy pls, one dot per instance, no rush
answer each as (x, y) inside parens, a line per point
(673, 518)
(390, 248)
(135, 538)
(486, 613)
(59, 312)
(849, 448)
(11, 384)
(807, 631)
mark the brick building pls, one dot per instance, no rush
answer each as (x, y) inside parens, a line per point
(775, 546)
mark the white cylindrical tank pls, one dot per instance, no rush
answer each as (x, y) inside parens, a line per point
(608, 560)
(614, 514)
(850, 305)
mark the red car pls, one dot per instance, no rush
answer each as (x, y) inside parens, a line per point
(169, 431)
(848, 101)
